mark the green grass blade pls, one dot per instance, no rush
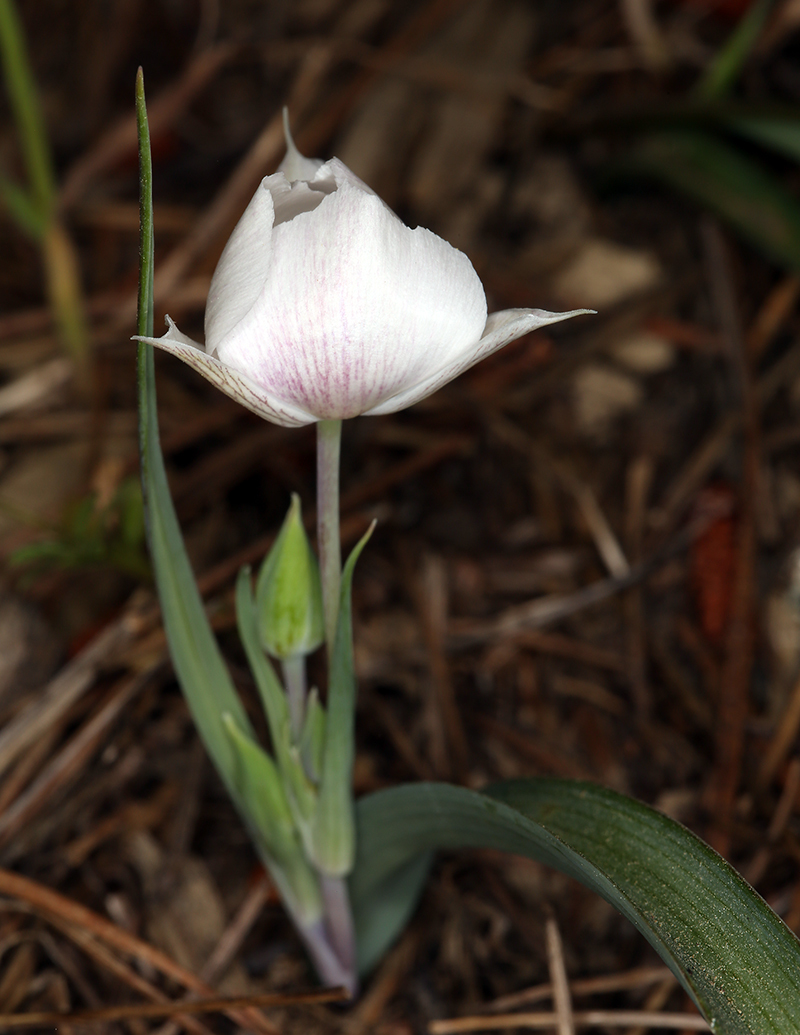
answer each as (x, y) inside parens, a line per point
(722, 179)
(24, 99)
(724, 70)
(34, 204)
(732, 954)
(198, 663)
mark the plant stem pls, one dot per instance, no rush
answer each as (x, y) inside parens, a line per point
(339, 933)
(294, 678)
(325, 959)
(329, 437)
(339, 923)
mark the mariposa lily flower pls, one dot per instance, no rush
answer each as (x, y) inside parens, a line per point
(324, 305)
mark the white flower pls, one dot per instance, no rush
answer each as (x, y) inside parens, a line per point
(324, 305)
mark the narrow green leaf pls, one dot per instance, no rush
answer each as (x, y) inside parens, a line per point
(144, 317)
(334, 827)
(732, 954)
(198, 663)
(724, 180)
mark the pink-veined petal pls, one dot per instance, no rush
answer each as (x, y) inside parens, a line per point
(501, 328)
(357, 307)
(240, 388)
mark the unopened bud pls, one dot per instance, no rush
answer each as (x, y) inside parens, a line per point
(289, 593)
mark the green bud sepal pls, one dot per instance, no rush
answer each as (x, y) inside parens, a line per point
(291, 622)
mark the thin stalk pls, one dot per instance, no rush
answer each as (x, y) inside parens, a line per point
(294, 679)
(329, 437)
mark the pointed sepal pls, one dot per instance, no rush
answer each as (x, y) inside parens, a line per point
(289, 592)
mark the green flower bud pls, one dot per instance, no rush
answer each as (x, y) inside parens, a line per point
(289, 593)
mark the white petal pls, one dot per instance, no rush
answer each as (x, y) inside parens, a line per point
(246, 259)
(337, 172)
(357, 308)
(501, 328)
(242, 268)
(241, 389)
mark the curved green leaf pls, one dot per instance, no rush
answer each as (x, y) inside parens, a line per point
(732, 954)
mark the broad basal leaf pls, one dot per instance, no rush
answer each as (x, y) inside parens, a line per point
(732, 954)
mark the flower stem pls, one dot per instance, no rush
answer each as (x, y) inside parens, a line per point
(339, 923)
(338, 934)
(329, 437)
(294, 679)
(325, 959)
